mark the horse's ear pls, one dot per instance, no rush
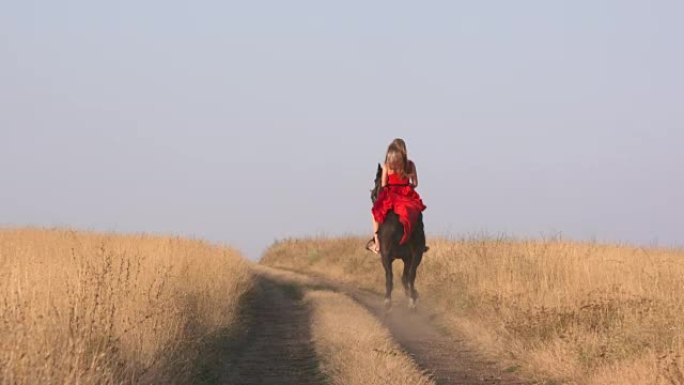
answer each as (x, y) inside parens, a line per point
(379, 167)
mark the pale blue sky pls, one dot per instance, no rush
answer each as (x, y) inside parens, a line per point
(245, 122)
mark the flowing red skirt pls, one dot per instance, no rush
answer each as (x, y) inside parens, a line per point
(404, 201)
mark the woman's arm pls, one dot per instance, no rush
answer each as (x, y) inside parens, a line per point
(413, 177)
(383, 181)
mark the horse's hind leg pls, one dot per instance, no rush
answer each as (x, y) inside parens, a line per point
(405, 278)
(412, 280)
(387, 264)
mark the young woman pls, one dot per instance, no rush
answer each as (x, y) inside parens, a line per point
(398, 194)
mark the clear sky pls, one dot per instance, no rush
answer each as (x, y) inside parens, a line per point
(245, 122)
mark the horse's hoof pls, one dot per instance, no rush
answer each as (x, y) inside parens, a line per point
(412, 304)
(388, 304)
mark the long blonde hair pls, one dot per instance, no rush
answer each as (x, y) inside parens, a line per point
(396, 159)
(399, 142)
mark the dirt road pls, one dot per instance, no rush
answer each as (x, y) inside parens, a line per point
(275, 346)
(446, 357)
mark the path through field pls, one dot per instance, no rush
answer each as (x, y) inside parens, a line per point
(276, 347)
(448, 358)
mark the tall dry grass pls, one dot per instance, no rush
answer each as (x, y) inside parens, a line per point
(85, 308)
(566, 312)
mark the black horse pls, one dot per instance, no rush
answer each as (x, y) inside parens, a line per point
(390, 233)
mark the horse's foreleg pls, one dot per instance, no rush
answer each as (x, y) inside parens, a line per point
(387, 264)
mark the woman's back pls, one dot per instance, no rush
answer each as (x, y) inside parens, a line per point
(410, 177)
(397, 179)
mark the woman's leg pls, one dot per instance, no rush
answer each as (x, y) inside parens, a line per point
(376, 243)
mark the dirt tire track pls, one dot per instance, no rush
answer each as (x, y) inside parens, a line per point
(446, 357)
(274, 346)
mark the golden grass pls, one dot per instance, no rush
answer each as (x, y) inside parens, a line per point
(91, 308)
(354, 348)
(571, 312)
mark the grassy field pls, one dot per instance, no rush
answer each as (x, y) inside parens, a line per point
(91, 308)
(566, 312)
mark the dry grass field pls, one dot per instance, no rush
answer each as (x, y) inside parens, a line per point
(565, 312)
(85, 308)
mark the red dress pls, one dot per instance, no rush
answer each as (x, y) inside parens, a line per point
(399, 196)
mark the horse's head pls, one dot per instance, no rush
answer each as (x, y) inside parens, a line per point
(378, 184)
